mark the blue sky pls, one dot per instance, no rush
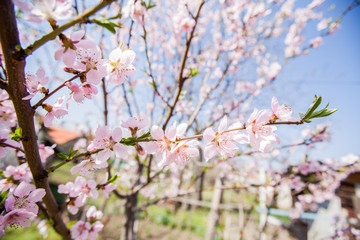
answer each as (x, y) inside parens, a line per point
(332, 71)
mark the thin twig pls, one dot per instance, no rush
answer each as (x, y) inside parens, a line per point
(180, 77)
(52, 35)
(41, 101)
(3, 144)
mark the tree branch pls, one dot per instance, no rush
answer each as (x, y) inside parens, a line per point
(180, 76)
(52, 35)
(9, 38)
(41, 101)
(3, 144)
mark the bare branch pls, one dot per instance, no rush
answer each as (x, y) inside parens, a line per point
(180, 77)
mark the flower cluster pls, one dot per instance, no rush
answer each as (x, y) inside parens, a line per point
(39, 11)
(171, 145)
(314, 182)
(168, 149)
(83, 58)
(89, 229)
(81, 189)
(78, 191)
(21, 197)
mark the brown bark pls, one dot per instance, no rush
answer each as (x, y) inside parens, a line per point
(15, 64)
(130, 213)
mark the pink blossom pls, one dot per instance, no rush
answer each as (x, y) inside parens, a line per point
(38, 11)
(182, 153)
(107, 142)
(24, 197)
(20, 173)
(17, 218)
(309, 167)
(54, 111)
(14, 175)
(282, 112)
(273, 70)
(261, 136)
(184, 25)
(36, 83)
(137, 11)
(92, 214)
(73, 204)
(89, 90)
(135, 124)
(316, 42)
(96, 227)
(90, 228)
(7, 111)
(78, 192)
(88, 166)
(80, 230)
(68, 53)
(76, 92)
(182, 22)
(164, 141)
(107, 187)
(245, 87)
(66, 188)
(333, 27)
(221, 141)
(45, 151)
(120, 65)
(4, 139)
(84, 188)
(90, 60)
(296, 184)
(323, 24)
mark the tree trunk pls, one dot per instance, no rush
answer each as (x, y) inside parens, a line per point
(130, 213)
(214, 214)
(15, 65)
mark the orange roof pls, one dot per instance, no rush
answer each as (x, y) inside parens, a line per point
(60, 135)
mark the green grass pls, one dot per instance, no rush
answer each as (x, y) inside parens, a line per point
(62, 174)
(194, 220)
(30, 233)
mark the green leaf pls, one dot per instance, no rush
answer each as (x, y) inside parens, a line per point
(145, 135)
(152, 84)
(323, 113)
(2, 173)
(107, 24)
(3, 196)
(149, 5)
(128, 141)
(315, 104)
(16, 135)
(194, 72)
(72, 153)
(62, 155)
(311, 113)
(113, 179)
(114, 17)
